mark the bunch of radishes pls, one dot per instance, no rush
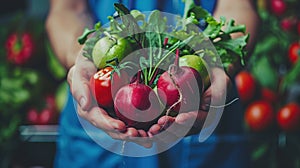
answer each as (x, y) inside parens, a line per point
(139, 105)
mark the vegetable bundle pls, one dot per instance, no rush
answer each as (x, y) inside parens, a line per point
(153, 64)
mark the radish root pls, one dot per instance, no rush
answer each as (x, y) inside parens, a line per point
(179, 99)
(227, 104)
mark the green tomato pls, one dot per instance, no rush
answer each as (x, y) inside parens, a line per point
(196, 62)
(108, 48)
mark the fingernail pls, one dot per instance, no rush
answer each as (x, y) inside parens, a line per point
(82, 101)
(150, 134)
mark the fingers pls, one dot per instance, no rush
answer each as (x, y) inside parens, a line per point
(198, 123)
(155, 129)
(79, 80)
(140, 138)
(133, 135)
(219, 85)
(114, 127)
(100, 119)
(171, 129)
(78, 77)
(166, 121)
(168, 129)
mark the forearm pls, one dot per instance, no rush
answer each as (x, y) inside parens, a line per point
(243, 12)
(65, 23)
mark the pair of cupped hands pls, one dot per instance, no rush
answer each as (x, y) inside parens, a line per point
(172, 127)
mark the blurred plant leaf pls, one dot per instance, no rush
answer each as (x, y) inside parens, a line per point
(265, 74)
(55, 67)
(259, 151)
(291, 77)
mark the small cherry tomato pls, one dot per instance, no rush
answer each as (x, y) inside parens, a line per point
(294, 52)
(288, 117)
(278, 7)
(246, 86)
(269, 95)
(259, 115)
(32, 116)
(288, 24)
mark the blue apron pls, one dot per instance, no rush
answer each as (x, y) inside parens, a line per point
(75, 148)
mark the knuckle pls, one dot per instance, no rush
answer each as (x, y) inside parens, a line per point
(93, 121)
(70, 75)
(82, 113)
(113, 136)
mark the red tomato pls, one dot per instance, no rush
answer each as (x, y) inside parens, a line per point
(104, 86)
(246, 85)
(288, 24)
(278, 7)
(50, 102)
(19, 48)
(45, 113)
(32, 116)
(269, 95)
(259, 115)
(46, 116)
(288, 117)
(294, 52)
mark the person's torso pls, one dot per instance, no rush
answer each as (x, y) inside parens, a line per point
(103, 8)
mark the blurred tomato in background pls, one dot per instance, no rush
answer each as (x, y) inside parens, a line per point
(272, 108)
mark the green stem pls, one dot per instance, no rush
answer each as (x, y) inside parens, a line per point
(83, 37)
(161, 60)
(150, 63)
(86, 32)
(177, 58)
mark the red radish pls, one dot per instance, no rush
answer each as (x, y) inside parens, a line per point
(180, 88)
(137, 105)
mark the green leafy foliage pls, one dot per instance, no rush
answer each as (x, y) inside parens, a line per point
(265, 74)
(270, 56)
(23, 86)
(292, 76)
(54, 65)
(186, 36)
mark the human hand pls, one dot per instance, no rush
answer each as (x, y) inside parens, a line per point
(188, 123)
(78, 78)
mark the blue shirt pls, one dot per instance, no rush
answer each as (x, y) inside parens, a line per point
(102, 9)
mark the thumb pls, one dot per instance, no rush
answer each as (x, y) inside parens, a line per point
(79, 77)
